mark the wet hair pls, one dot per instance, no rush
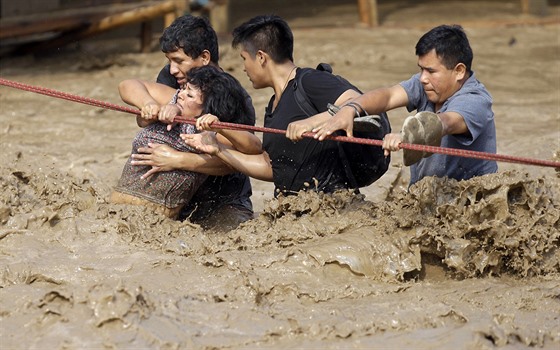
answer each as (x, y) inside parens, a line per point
(268, 33)
(451, 45)
(222, 94)
(193, 35)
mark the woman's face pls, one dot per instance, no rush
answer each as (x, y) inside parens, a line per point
(190, 101)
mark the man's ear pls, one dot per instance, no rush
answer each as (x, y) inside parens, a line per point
(206, 57)
(460, 70)
(261, 57)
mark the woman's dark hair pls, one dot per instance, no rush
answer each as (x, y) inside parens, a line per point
(267, 33)
(191, 34)
(451, 45)
(222, 95)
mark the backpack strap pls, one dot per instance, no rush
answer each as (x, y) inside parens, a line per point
(324, 67)
(302, 100)
(305, 104)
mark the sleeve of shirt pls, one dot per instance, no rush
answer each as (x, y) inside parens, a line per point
(476, 110)
(414, 90)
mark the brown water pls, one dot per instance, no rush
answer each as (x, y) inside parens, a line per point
(470, 265)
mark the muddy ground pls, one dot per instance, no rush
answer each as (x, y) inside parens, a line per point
(466, 265)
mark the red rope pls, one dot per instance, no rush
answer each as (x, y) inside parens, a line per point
(233, 126)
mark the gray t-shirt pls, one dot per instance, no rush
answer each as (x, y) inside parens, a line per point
(474, 104)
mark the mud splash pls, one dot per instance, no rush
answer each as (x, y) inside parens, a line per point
(463, 265)
(497, 224)
(140, 279)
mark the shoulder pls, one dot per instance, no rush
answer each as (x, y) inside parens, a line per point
(321, 80)
(165, 77)
(474, 94)
(474, 86)
(412, 83)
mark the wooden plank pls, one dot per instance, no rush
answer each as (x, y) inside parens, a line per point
(63, 20)
(534, 7)
(373, 14)
(32, 25)
(220, 16)
(368, 12)
(363, 12)
(135, 15)
(140, 14)
(146, 37)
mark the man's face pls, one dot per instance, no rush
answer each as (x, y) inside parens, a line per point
(252, 68)
(180, 64)
(439, 82)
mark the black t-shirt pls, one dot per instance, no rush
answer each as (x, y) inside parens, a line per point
(217, 191)
(308, 163)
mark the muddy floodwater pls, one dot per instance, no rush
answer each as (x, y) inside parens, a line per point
(443, 265)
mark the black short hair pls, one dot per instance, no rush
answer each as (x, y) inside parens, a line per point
(222, 94)
(193, 35)
(268, 33)
(451, 45)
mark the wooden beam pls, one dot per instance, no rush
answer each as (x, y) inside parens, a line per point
(29, 27)
(220, 16)
(180, 10)
(146, 37)
(363, 12)
(368, 12)
(373, 14)
(534, 7)
(141, 14)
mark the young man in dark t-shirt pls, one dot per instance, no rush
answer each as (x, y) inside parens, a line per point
(224, 198)
(266, 47)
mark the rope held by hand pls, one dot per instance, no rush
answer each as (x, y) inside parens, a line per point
(233, 126)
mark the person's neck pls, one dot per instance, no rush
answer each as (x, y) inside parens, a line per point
(284, 74)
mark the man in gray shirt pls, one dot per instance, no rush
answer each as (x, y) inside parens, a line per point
(451, 102)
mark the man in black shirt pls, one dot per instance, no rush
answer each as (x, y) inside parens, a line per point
(224, 198)
(266, 47)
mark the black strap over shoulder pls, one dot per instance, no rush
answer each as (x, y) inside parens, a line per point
(302, 99)
(301, 96)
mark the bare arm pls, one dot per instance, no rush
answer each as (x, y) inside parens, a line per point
(146, 96)
(374, 102)
(346, 97)
(453, 123)
(257, 166)
(243, 141)
(164, 158)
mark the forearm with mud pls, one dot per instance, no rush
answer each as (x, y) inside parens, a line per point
(243, 141)
(254, 165)
(138, 93)
(135, 93)
(374, 102)
(202, 163)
